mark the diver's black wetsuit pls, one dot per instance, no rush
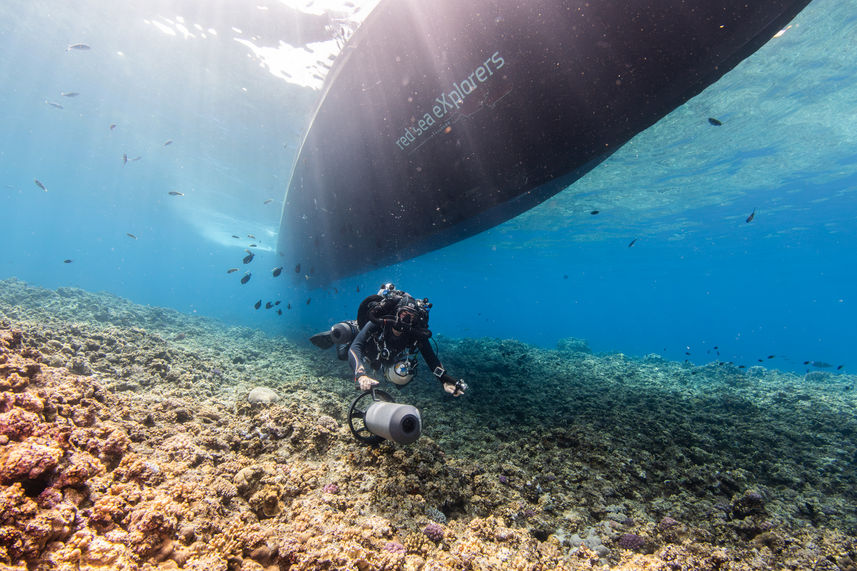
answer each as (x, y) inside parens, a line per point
(373, 338)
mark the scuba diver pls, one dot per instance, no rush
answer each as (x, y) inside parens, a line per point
(390, 328)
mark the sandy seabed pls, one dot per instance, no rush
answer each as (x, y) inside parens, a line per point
(127, 442)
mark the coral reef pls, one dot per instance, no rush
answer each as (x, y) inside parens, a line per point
(128, 441)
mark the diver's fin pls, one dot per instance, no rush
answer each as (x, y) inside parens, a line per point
(342, 351)
(322, 340)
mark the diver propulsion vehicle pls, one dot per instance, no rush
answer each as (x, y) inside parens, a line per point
(442, 118)
(374, 416)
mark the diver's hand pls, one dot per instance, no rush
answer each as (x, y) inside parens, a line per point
(455, 389)
(366, 382)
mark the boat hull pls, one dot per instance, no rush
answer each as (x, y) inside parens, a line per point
(443, 118)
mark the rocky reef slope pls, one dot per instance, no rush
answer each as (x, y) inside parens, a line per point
(127, 442)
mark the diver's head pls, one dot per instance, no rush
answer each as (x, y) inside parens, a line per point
(407, 313)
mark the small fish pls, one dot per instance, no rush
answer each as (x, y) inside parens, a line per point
(309, 299)
(594, 212)
(52, 104)
(288, 306)
(112, 126)
(67, 261)
(69, 93)
(839, 368)
(40, 185)
(818, 364)
(771, 356)
(77, 47)
(634, 241)
(236, 237)
(269, 201)
(358, 289)
(279, 312)
(169, 142)
(231, 270)
(715, 122)
(278, 303)
(249, 258)
(752, 215)
(124, 159)
(130, 235)
(246, 278)
(251, 236)
(135, 159)
(277, 271)
(175, 193)
(253, 246)
(269, 305)
(258, 304)
(335, 290)
(298, 269)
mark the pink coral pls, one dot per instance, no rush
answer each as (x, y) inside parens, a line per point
(330, 488)
(434, 531)
(17, 424)
(27, 461)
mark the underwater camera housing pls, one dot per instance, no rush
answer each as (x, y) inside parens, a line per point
(383, 419)
(400, 373)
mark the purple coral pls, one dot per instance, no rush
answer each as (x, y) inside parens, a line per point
(330, 488)
(503, 479)
(434, 531)
(395, 547)
(667, 523)
(631, 541)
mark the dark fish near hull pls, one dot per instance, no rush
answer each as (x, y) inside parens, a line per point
(246, 278)
(502, 106)
(175, 193)
(130, 235)
(752, 215)
(715, 122)
(79, 47)
(249, 258)
(40, 185)
(258, 304)
(277, 271)
(67, 261)
(231, 270)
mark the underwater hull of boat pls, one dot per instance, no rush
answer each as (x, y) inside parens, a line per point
(442, 118)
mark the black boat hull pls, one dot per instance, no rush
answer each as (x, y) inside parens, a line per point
(442, 118)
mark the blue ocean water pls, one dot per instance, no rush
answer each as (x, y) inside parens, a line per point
(231, 86)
